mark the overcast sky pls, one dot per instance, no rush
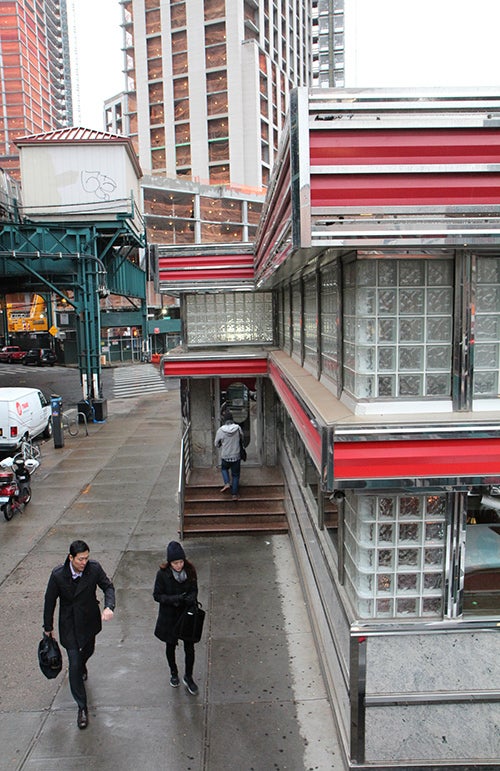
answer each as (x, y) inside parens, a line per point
(98, 63)
(422, 43)
(388, 43)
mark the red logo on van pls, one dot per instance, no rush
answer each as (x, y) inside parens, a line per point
(19, 408)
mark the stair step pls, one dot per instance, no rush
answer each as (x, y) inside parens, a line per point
(235, 513)
(260, 508)
(243, 505)
(210, 493)
(239, 527)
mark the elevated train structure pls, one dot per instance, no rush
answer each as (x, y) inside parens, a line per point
(76, 231)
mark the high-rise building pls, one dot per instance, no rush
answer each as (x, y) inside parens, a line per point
(35, 75)
(328, 44)
(208, 84)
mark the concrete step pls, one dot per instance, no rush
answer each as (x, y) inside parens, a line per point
(260, 507)
(211, 493)
(271, 526)
(247, 505)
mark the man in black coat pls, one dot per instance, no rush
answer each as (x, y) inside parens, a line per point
(80, 618)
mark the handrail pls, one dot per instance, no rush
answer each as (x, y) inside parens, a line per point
(184, 470)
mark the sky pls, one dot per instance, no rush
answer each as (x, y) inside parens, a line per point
(97, 58)
(399, 43)
(389, 43)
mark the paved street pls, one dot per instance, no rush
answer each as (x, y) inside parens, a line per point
(262, 703)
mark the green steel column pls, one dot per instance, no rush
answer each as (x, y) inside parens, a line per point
(88, 327)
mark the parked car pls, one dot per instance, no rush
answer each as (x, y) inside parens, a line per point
(40, 357)
(10, 353)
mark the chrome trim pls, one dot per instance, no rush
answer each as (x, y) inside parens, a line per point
(357, 697)
(457, 626)
(300, 169)
(405, 168)
(184, 470)
(408, 699)
(436, 430)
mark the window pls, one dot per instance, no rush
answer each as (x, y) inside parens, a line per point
(182, 133)
(487, 328)
(217, 103)
(155, 69)
(216, 81)
(398, 328)
(220, 210)
(310, 323)
(214, 9)
(329, 321)
(215, 34)
(215, 56)
(178, 15)
(217, 128)
(218, 150)
(482, 552)
(394, 554)
(153, 46)
(234, 317)
(183, 155)
(296, 318)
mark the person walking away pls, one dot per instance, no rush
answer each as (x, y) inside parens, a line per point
(176, 586)
(228, 439)
(74, 584)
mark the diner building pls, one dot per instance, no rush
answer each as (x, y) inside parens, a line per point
(365, 343)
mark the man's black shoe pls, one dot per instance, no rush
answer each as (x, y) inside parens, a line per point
(82, 720)
(85, 674)
(190, 685)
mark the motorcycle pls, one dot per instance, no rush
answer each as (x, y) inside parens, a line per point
(15, 487)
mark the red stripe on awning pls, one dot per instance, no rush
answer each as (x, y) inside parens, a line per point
(404, 189)
(419, 458)
(309, 433)
(205, 275)
(404, 146)
(213, 367)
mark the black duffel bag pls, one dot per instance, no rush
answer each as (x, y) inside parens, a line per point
(49, 656)
(190, 625)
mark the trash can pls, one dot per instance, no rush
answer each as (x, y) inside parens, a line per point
(57, 426)
(85, 408)
(100, 410)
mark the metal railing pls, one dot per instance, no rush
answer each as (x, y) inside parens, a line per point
(184, 471)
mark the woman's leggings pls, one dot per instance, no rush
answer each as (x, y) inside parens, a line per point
(188, 654)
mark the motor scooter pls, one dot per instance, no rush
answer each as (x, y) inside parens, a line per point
(15, 486)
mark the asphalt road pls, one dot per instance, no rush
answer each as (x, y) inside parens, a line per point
(63, 381)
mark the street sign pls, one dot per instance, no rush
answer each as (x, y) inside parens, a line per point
(53, 331)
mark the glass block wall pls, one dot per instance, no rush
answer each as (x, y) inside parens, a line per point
(487, 328)
(229, 318)
(398, 328)
(395, 554)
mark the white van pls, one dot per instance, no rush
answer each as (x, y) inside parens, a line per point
(23, 411)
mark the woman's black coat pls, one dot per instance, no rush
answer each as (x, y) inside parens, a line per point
(173, 597)
(79, 611)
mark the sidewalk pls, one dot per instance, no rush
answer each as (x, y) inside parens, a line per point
(262, 704)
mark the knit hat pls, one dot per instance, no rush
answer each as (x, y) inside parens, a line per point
(175, 552)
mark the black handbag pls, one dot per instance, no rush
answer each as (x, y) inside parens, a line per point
(49, 657)
(190, 625)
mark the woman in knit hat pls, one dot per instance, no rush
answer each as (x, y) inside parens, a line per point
(175, 587)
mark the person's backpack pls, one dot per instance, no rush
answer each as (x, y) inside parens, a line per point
(49, 657)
